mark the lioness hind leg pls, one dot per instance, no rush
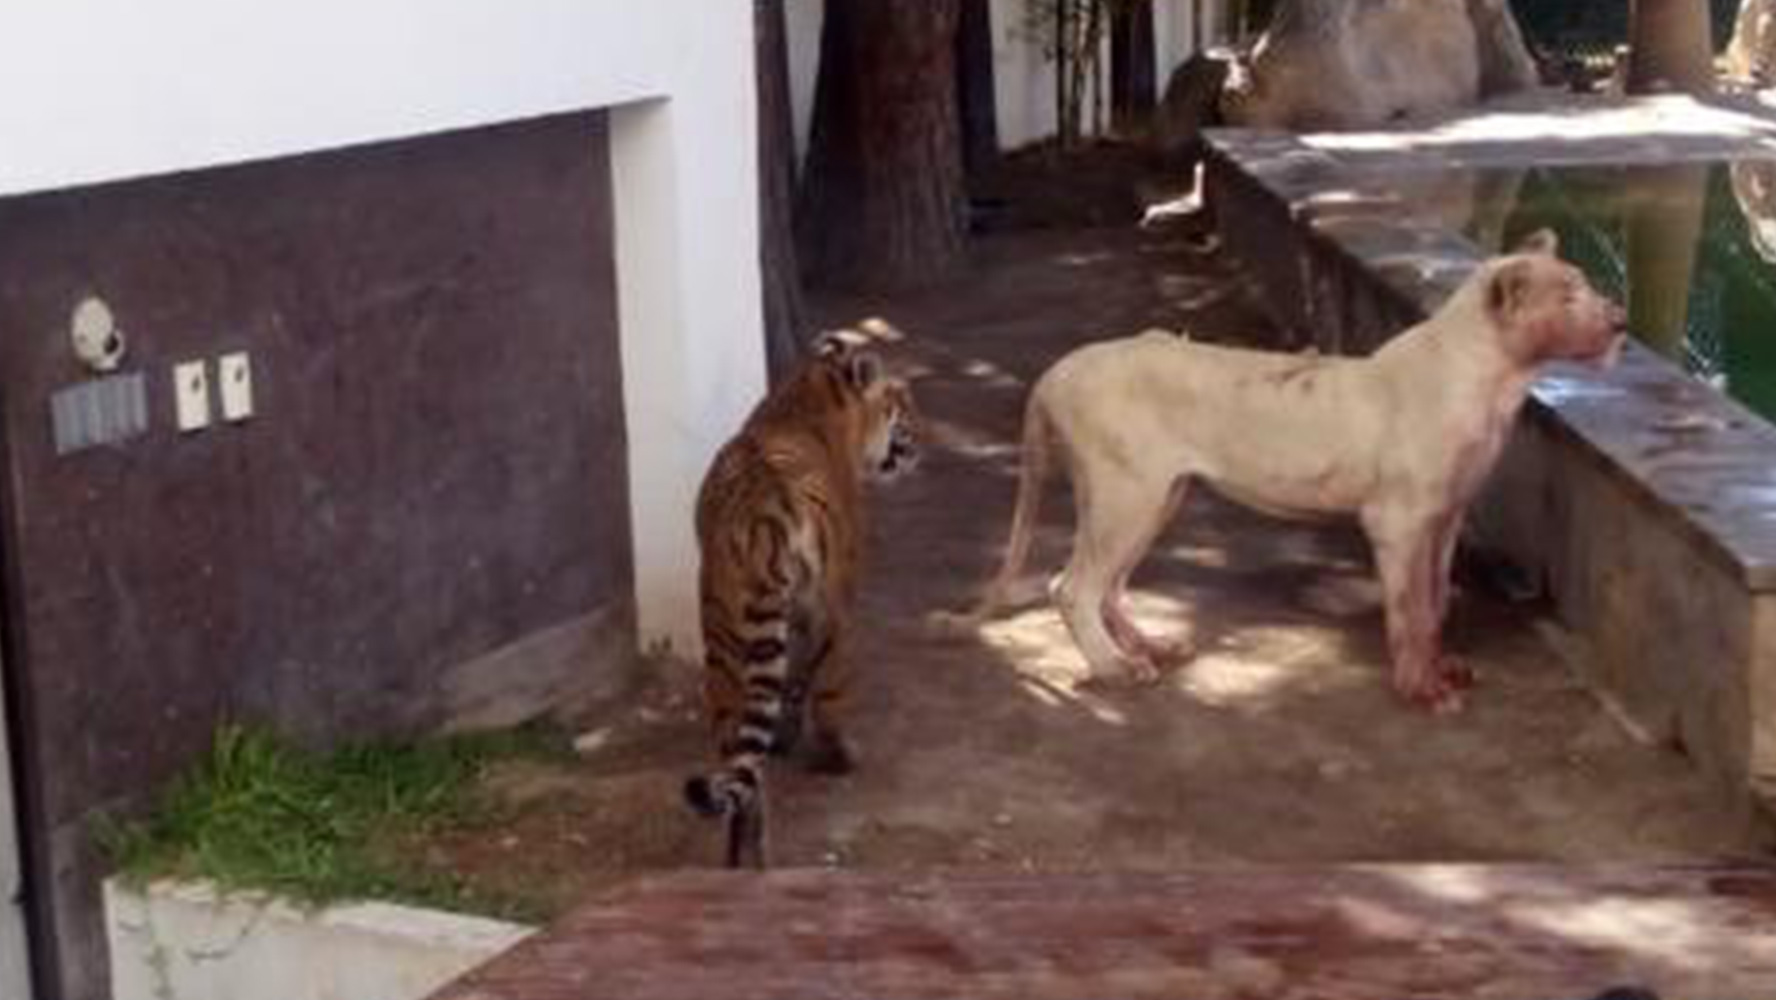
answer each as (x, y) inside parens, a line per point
(1119, 514)
(1127, 634)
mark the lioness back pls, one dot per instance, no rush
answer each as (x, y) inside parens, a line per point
(779, 526)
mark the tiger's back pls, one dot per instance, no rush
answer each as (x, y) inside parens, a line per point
(780, 522)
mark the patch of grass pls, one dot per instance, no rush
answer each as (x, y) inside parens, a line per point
(258, 813)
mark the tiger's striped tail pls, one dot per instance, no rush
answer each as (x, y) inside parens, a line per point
(736, 791)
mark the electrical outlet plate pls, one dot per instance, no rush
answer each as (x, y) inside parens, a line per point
(234, 378)
(191, 391)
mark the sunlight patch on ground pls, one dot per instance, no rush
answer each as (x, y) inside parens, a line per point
(1226, 681)
(1674, 931)
(1252, 667)
(1200, 554)
(969, 442)
(1092, 258)
(1457, 884)
(1039, 646)
(1255, 667)
(1681, 934)
(994, 376)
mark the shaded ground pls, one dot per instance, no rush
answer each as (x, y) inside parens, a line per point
(1280, 743)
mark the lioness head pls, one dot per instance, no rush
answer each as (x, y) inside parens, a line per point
(889, 430)
(1544, 309)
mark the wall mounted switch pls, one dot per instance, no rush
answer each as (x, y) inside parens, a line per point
(191, 391)
(234, 375)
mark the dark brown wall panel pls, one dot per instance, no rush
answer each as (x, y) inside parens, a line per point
(435, 471)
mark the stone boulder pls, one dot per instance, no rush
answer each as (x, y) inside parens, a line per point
(1751, 55)
(1506, 64)
(1351, 64)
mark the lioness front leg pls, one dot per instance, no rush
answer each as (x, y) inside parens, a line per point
(1447, 533)
(1407, 558)
(1133, 640)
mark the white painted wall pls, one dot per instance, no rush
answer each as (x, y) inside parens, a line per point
(98, 90)
(1174, 32)
(1023, 77)
(178, 941)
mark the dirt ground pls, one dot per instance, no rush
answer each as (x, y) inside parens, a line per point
(1279, 743)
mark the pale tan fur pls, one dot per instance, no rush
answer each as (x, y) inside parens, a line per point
(1401, 439)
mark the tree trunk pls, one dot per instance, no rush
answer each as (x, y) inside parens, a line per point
(976, 93)
(1133, 76)
(1670, 46)
(882, 200)
(784, 335)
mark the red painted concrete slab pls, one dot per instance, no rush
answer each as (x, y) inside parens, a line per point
(1386, 932)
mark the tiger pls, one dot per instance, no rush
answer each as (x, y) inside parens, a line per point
(780, 526)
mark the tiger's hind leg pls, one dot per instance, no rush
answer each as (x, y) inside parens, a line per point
(830, 751)
(747, 673)
(748, 843)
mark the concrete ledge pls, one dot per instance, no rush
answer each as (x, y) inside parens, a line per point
(1641, 499)
(184, 941)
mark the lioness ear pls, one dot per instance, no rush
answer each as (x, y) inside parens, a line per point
(1505, 288)
(1542, 241)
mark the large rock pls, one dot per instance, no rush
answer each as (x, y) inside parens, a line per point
(1751, 55)
(1347, 64)
(1506, 65)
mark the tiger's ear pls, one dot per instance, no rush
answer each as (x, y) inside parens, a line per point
(849, 350)
(1542, 241)
(829, 345)
(863, 369)
(838, 343)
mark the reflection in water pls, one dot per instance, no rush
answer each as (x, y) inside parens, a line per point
(1690, 248)
(1754, 188)
(1664, 224)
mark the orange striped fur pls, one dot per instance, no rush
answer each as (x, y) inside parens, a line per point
(780, 523)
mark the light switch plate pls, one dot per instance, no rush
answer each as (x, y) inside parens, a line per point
(234, 375)
(191, 390)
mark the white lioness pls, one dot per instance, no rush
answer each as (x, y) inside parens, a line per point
(1402, 439)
